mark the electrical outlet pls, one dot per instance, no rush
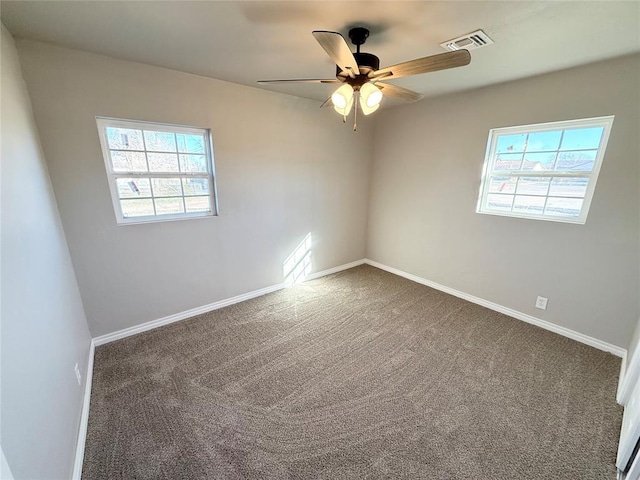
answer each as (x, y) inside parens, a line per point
(541, 303)
(78, 376)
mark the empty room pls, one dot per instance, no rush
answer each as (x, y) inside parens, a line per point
(320, 240)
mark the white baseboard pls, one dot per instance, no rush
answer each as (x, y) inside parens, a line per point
(566, 332)
(580, 337)
(176, 317)
(337, 269)
(84, 417)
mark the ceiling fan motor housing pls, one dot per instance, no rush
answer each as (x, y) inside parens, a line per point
(366, 62)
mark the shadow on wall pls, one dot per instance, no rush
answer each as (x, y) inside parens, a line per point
(298, 265)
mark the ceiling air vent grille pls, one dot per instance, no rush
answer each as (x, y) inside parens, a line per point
(470, 41)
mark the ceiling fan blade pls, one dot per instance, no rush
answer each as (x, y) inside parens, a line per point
(390, 90)
(337, 48)
(433, 63)
(300, 80)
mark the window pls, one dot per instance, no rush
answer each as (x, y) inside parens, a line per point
(546, 171)
(158, 172)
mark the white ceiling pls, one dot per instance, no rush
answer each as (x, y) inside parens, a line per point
(246, 41)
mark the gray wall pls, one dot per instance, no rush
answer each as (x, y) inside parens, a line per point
(284, 169)
(426, 174)
(44, 331)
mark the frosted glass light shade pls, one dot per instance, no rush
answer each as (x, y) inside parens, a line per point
(344, 111)
(371, 95)
(368, 110)
(342, 99)
(342, 95)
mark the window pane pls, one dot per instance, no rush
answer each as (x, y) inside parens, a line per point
(136, 208)
(563, 207)
(544, 141)
(124, 139)
(502, 184)
(197, 204)
(128, 161)
(524, 204)
(499, 202)
(533, 185)
(190, 143)
(156, 172)
(569, 187)
(508, 162)
(539, 162)
(160, 141)
(582, 138)
(167, 206)
(133, 187)
(511, 143)
(543, 171)
(163, 162)
(166, 187)
(196, 186)
(580, 161)
(193, 163)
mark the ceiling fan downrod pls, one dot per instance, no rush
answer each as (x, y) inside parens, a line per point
(358, 36)
(355, 112)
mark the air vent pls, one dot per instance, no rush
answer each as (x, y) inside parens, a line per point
(470, 41)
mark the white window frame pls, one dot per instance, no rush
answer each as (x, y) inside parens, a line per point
(112, 176)
(490, 159)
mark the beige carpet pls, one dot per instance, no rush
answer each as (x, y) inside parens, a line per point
(358, 375)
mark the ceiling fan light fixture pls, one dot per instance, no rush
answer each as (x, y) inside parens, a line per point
(342, 97)
(371, 96)
(368, 110)
(346, 109)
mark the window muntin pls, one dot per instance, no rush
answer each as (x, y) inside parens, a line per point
(546, 171)
(158, 172)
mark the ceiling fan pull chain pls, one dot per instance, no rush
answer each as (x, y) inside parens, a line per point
(355, 111)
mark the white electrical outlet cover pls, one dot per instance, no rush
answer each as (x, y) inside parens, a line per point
(541, 303)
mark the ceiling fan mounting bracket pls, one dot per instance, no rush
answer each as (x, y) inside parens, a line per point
(358, 36)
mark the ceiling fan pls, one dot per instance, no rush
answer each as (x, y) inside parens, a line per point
(361, 75)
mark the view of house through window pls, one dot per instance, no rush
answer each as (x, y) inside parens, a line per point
(158, 172)
(546, 171)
